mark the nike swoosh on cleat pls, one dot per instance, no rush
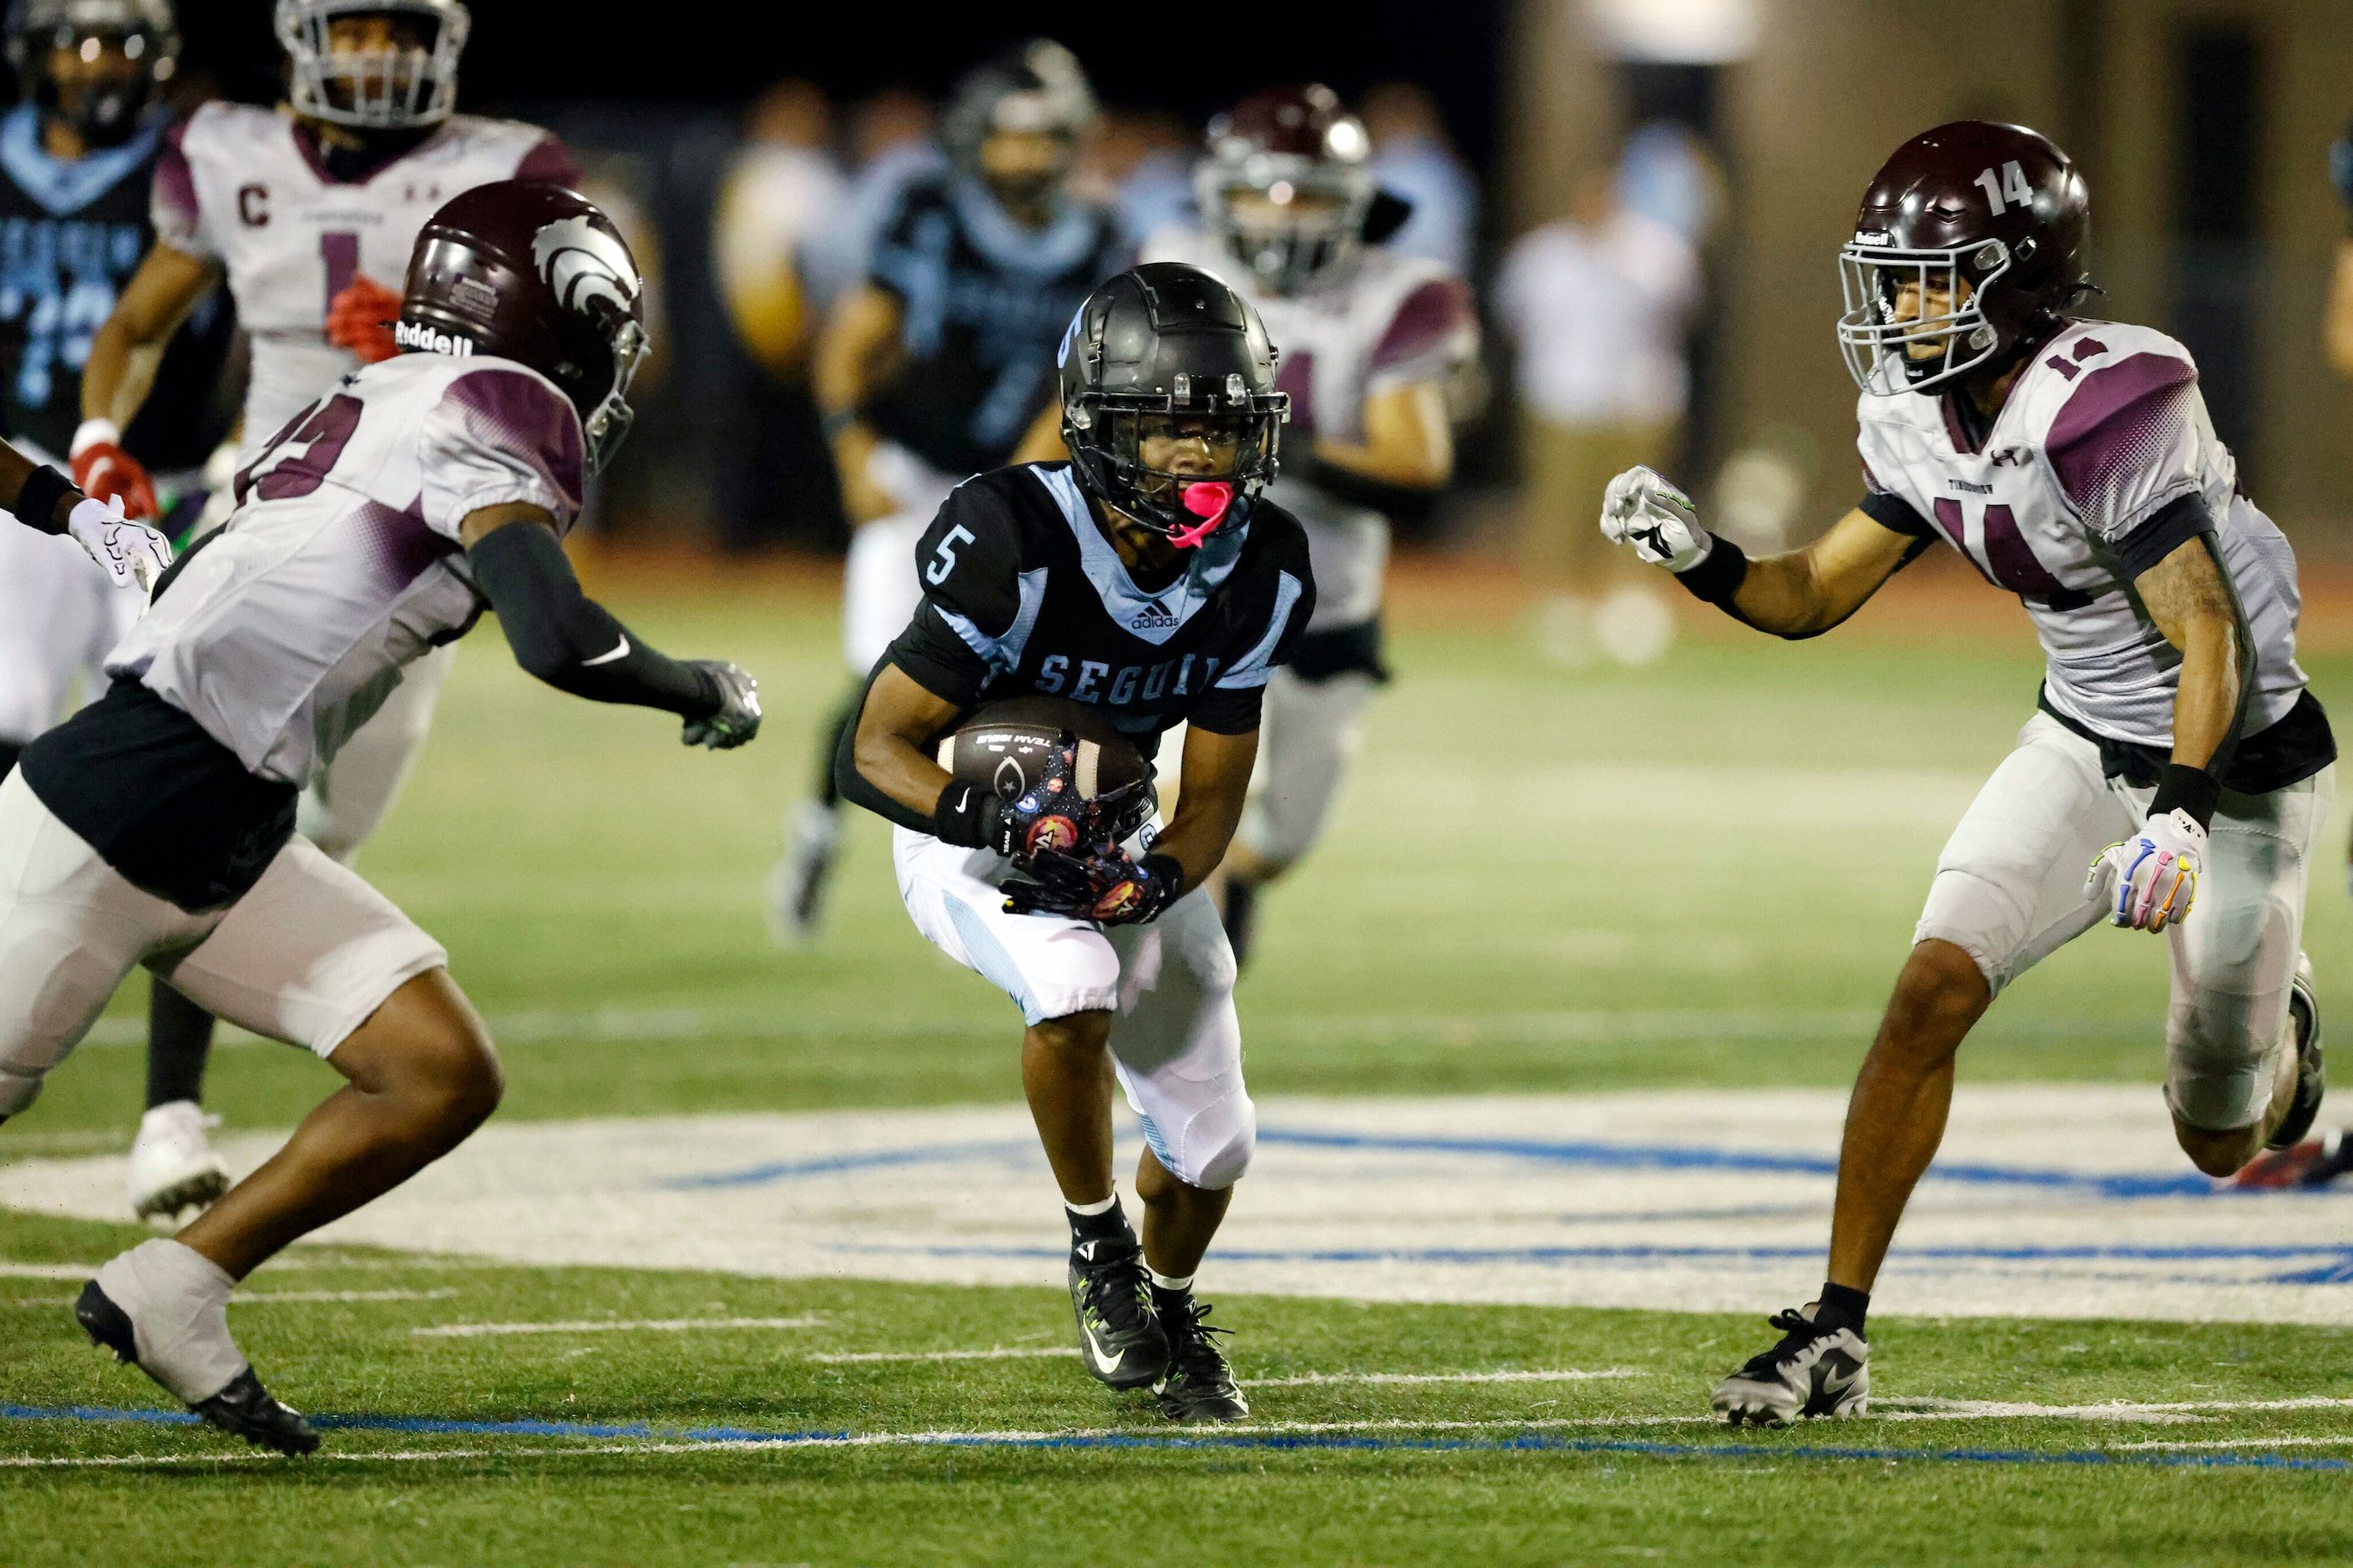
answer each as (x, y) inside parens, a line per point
(620, 652)
(1094, 1353)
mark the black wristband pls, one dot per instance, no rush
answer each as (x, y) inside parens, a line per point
(965, 815)
(1714, 580)
(2180, 787)
(36, 502)
(1169, 867)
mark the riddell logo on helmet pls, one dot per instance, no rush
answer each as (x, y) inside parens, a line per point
(416, 335)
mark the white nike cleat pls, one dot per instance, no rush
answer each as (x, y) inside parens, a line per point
(172, 1166)
(1816, 1370)
(797, 886)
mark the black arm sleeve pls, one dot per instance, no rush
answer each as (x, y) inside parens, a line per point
(1896, 514)
(37, 504)
(566, 639)
(852, 785)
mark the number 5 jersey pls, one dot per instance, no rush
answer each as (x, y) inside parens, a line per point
(2102, 463)
(246, 189)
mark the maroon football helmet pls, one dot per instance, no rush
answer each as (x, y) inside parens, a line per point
(1298, 152)
(2000, 206)
(534, 273)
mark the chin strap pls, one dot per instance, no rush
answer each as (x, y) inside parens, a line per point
(1208, 500)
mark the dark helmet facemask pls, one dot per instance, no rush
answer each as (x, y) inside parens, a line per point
(1187, 509)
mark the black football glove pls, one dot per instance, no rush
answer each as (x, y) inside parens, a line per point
(1103, 885)
(738, 718)
(1049, 815)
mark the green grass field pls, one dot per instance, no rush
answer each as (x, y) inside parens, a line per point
(1700, 874)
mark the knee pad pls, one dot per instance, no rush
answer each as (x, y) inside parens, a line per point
(16, 1091)
(1213, 1146)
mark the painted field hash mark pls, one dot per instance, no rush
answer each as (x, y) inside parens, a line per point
(616, 1326)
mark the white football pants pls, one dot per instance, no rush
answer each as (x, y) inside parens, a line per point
(305, 957)
(879, 585)
(2010, 892)
(344, 810)
(1309, 734)
(1176, 1044)
(60, 614)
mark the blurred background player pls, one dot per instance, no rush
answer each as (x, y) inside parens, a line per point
(941, 365)
(2074, 463)
(77, 157)
(1598, 303)
(782, 190)
(273, 201)
(1146, 576)
(157, 826)
(2318, 1161)
(1369, 341)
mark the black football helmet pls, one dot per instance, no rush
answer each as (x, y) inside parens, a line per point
(144, 30)
(535, 273)
(1999, 206)
(1165, 338)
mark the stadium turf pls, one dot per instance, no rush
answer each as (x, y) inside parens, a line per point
(1700, 874)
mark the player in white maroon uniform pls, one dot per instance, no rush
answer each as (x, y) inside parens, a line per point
(311, 215)
(1370, 341)
(2072, 462)
(156, 827)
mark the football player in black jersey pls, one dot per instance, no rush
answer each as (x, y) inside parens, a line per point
(1147, 575)
(942, 364)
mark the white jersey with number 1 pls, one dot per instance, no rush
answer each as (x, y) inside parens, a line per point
(245, 188)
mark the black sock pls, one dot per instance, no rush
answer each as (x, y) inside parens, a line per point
(1847, 1302)
(9, 751)
(1110, 1227)
(179, 1039)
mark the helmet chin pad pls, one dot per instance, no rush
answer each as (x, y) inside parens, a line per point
(1208, 500)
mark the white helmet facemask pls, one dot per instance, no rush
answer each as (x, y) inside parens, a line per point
(377, 90)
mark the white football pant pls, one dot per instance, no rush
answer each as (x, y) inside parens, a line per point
(344, 810)
(2010, 892)
(60, 614)
(1177, 1043)
(880, 587)
(1309, 734)
(305, 957)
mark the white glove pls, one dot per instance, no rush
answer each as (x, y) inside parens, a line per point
(1640, 509)
(2149, 881)
(131, 552)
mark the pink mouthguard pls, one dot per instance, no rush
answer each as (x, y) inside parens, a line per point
(1206, 500)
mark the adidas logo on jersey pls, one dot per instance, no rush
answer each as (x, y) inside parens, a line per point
(1153, 618)
(416, 335)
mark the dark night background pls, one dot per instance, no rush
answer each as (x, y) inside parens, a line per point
(1192, 60)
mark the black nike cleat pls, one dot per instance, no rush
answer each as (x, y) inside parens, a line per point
(243, 1409)
(1818, 1369)
(1120, 1336)
(2311, 1067)
(1199, 1387)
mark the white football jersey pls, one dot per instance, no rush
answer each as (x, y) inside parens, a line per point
(244, 187)
(282, 633)
(1394, 319)
(2102, 433)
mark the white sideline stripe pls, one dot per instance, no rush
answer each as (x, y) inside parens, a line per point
(48, 1270)
(616, 1326)
(1310, 1379)
(951, 1436)
(2116, 1410)
(1000, 1353)
(2238, 1443)
(251, 1297)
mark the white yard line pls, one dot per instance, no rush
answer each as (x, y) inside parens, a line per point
(2235, 1443)
(254, 1298)
(2116, 1410)
(999, 1353)
(48, 1270)
(616, 1326)
(1311, 1379)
